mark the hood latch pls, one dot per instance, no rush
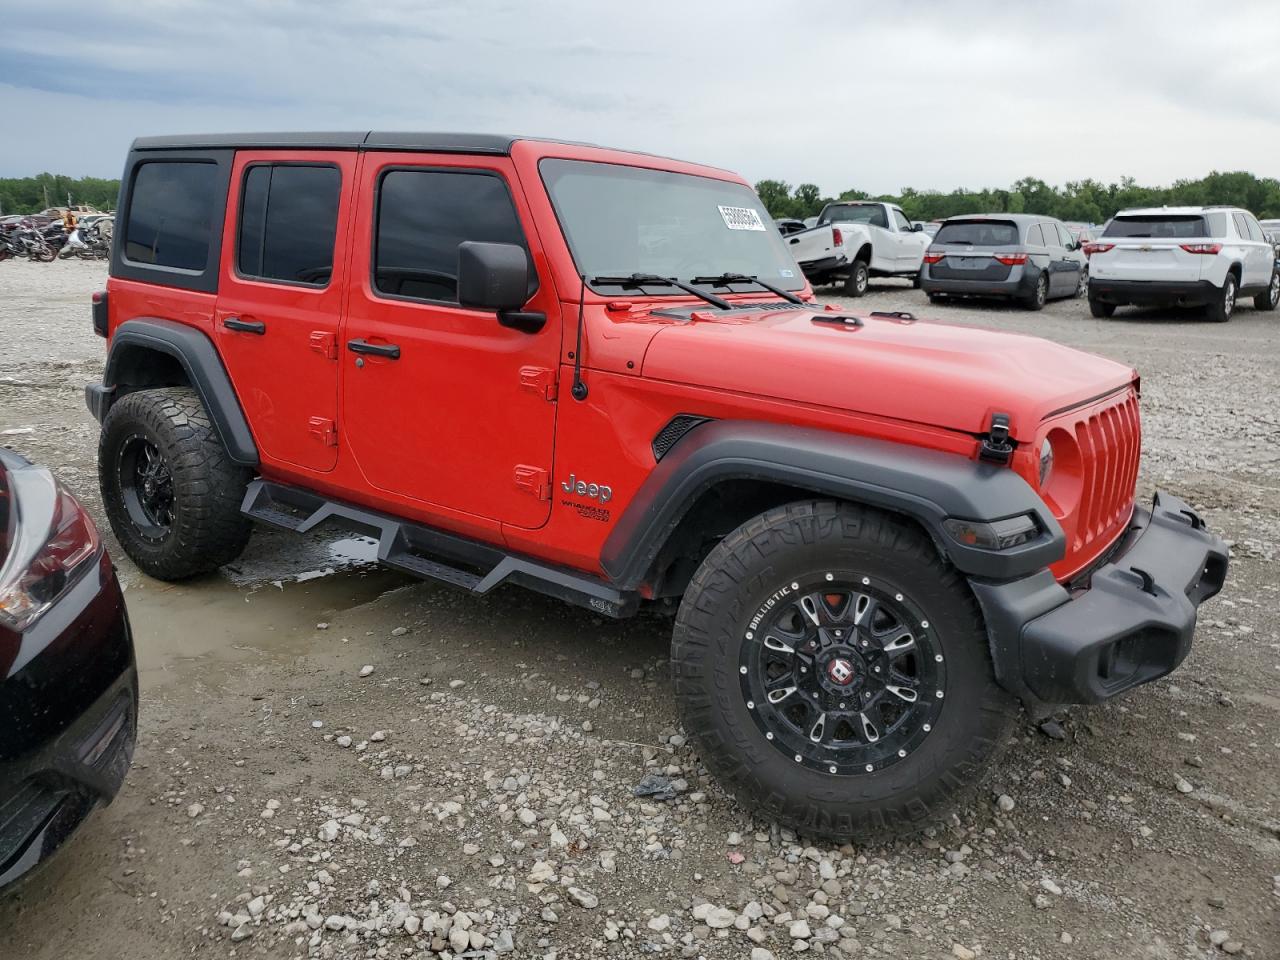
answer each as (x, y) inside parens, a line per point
(996, 445)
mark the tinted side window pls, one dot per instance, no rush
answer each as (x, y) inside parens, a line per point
(423, 215)
(1034, 237)
(1064, 235)
(1242, 231)
(1050, 235)
(288, 221)
(1255, 231)
(171, 213)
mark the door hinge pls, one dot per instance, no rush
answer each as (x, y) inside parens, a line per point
(324, 430)
(325, 344)
(996, 445)
(540, 380)
(534, 480)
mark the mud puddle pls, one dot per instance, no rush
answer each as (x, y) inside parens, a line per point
(268, 608)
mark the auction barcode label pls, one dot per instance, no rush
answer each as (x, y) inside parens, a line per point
(741, 218)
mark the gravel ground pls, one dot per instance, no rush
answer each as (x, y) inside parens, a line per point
(337, 762)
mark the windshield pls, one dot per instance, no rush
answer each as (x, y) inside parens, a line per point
(623, 220)
(979, 233)
(871, 213)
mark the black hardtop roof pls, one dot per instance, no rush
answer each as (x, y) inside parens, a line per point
(486, 143)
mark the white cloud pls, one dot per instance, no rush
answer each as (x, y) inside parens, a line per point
(878, 96)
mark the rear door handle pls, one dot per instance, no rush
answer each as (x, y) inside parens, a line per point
(389, 350)
(244, 326)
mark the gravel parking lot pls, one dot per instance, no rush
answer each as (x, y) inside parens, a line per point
(472, 793)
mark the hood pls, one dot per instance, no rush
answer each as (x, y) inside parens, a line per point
(921, 371)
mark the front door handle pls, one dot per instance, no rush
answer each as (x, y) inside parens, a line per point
(794, 241)
(244, 326)
(389, 350)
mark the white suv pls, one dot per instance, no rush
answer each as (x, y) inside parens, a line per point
(1182, 256)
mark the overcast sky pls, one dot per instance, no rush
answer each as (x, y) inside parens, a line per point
(845, 94)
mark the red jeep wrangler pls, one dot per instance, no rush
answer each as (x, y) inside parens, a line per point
(599, 375)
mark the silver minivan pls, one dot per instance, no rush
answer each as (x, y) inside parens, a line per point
(1028, 258)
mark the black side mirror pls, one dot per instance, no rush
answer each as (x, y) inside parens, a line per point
(917, 227)
(495, 276)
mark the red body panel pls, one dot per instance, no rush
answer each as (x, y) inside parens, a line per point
(458, 432)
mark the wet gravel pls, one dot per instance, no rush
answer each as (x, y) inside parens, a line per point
(473, 793)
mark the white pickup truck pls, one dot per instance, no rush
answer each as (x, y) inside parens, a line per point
(856, 240)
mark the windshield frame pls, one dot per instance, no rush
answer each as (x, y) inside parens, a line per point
(649, 290)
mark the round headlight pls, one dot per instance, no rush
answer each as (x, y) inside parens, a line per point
(1046, 461)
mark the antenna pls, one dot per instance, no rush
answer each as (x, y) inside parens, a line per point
(579, 390)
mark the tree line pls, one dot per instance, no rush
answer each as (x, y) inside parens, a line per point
(1086, 201)
(33, 194)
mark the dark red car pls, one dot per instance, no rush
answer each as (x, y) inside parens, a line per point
(68, 685)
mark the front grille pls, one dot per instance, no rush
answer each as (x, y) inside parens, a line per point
(1110, 442)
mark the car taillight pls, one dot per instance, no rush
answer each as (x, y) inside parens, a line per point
(54, 540)
(99, 302)
(1011, 259)
(1091, 248)
(837, 237)
(933, 256)
(1209, 248)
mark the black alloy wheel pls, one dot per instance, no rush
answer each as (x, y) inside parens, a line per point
(843, 676)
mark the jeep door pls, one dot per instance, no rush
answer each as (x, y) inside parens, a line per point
(280, 296)
(441, 404)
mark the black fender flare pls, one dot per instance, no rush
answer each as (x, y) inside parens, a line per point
(926, 485)
(199, 358)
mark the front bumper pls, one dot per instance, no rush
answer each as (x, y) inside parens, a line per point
(69, 708)
(1186, 293)
(1132, 624)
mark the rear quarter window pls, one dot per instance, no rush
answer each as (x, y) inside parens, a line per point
(980, 233)
(172, 210)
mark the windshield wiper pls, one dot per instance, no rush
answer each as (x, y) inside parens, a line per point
(653, 280)
(727, 278)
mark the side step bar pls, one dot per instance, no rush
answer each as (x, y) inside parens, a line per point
(433, 554)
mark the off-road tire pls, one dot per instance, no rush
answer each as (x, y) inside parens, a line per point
(798, 541)
(1040, 295)
(1221, 309)
(859, 278)
(1100, 309)
(207, 528)
(1269, 297)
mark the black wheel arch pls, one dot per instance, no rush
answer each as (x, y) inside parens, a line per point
(732, 470)
(153, 352)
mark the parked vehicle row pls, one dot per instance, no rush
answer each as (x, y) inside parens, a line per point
(1205, 257)
(40, 239)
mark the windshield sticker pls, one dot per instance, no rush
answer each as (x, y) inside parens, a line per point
(786, 273)
(741, 218)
